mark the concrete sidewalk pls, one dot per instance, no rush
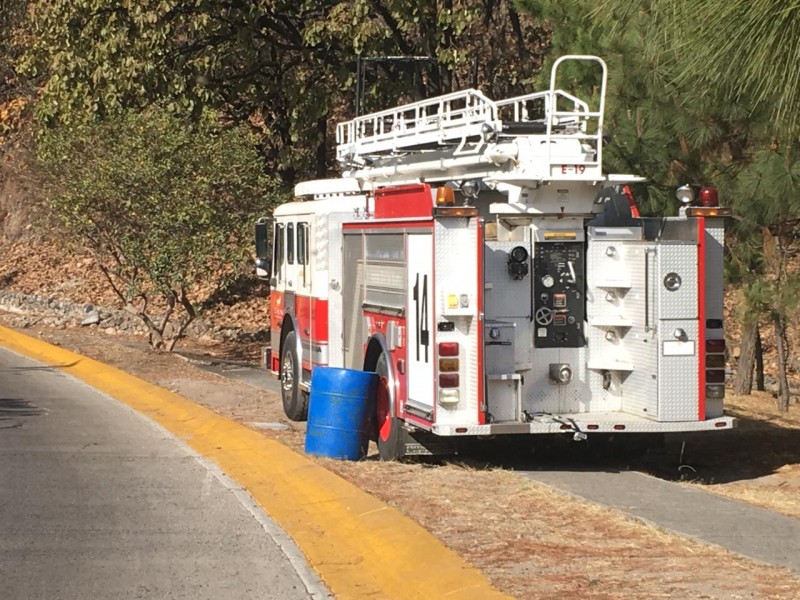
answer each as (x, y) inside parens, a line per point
(748, 530)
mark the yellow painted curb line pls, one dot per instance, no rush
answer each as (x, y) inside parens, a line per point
(360, 546)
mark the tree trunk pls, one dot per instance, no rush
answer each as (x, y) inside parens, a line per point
(322, 148)
(781, 345)
(743, 382)
(759, 361)
(184, 322)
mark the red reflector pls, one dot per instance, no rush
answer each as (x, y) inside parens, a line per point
(592, 427)
(720, 424)
(565, 426)
(708, 196)
(461, 430)
(715, 345)
(448, 348)
(448, 380)
(717, 376)
(619, 427)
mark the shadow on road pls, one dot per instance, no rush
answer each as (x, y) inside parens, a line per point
(14, 409)
(754, 450)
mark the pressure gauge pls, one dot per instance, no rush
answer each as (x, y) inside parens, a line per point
(548, 281)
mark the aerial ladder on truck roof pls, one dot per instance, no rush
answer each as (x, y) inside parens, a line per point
(465, 135)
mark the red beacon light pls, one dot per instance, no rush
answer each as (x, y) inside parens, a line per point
(707, 202)
(708, 196)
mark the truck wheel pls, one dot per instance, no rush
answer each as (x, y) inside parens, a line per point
(390, 436)
(295, 402)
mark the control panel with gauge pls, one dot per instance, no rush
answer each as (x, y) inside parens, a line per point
(559, 304)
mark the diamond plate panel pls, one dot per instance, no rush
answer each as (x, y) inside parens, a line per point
(715, 240)
(332, 279)
(680, 258)
(619, 334)
(352, 323)
(678, 376)
(639, 388)
(325, 227)
(456, 271)
(540, 395)
(606, 266)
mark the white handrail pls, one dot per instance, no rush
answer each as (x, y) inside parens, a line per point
(466, 123)
(598, 137)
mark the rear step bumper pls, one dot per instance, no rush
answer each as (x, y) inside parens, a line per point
(585, 423)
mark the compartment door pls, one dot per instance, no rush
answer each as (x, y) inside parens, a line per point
(678, 331)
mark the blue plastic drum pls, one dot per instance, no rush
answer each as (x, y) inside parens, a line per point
(339, 412)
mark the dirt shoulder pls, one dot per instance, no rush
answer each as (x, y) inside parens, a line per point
(531, 541)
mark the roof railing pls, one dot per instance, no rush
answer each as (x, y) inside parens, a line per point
(459, 122)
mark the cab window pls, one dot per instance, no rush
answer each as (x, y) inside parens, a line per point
(302, 243)
(290, 243)
(277, 250)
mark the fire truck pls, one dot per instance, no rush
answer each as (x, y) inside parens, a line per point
(474, 255)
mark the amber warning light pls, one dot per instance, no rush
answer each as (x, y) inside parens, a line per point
(445, 196)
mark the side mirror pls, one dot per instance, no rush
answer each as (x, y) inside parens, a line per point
(262, 249)
(262, 268)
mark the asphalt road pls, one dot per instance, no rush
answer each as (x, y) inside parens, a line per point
(98, 502)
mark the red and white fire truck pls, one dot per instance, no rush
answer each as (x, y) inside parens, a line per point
(476, 257)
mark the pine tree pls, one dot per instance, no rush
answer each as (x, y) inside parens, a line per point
(694, 91)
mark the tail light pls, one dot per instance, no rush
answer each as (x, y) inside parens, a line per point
(715, 367)
(448, 373)
(447, 365)
(448, 348)
(448, 380)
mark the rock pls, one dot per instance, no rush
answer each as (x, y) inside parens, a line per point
(91, 316)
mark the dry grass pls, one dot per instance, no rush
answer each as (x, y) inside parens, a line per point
(530, 540)
(759, 410)
(535, 542)
(761, 460)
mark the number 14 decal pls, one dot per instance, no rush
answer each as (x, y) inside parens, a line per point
(421, 312)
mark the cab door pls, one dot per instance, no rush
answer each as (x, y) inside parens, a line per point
(277, 286)
(305, 304)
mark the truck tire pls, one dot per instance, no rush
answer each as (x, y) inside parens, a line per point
(390, 436)
(295, 402)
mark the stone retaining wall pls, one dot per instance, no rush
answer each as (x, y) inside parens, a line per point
(30, 310)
